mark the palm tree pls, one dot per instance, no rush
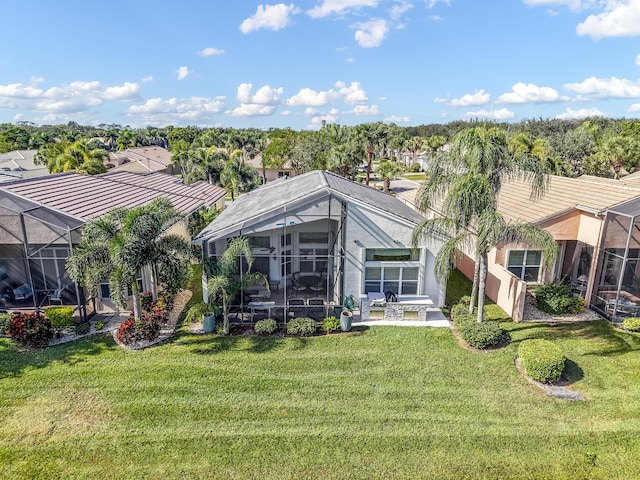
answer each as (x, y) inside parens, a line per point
(463, 183)
(77, 157)
(223, 281)
(388, 171)
(120, 243)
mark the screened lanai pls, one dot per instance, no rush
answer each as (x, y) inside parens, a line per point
(35, 242)
(616, 291)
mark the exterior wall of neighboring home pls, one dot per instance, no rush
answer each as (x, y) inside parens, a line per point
(272, 175)
(368, 229)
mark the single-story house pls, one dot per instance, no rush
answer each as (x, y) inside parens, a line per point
(596, 222)
(319, 237)
(19, 164)
(141, 160)
(41, 220)
(271, 174)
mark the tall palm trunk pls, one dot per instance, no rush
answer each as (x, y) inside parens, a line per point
(225, 311)
(387, 185)
(474, 288)
(154, 282)
(135, 294)
(482, 285)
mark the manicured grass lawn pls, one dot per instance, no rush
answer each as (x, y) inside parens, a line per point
(416, 177)
(387, 402)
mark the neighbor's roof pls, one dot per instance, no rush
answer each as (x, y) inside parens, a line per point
(564, 194)
(274, 197)
(142, 159)
(89, 196)
(18, 164)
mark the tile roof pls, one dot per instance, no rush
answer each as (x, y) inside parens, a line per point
(19, 164)
(274, 197)
(147, 159)
(563, 194)
(89, 196)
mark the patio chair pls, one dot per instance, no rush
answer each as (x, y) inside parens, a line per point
(296, 284)
(56, 296)
(317, 307)
(296, 307)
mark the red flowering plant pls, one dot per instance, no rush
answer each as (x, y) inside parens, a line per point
(30, 329)
(145, 329)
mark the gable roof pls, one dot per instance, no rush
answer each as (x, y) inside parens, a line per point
(274, 197)
(89, 196)
(142, 159)
(19, 164)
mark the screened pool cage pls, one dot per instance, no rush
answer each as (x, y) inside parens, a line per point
(616, 290)
(35, 242)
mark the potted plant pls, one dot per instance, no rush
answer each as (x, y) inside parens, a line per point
(346, 316)
(207, 312)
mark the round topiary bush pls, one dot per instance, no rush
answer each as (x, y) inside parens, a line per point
(266, 326)
(632, 324)
(60, 317)
(301, 326)
(331, 324)
(481, 335)
(541, 359)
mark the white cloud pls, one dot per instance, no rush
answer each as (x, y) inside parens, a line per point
(571, 4)
(307, 97)
(286, 113)
(570, 114)
(621, 18)
(210, 52)
(480, 97)
(606, 88)
(530, 93)
(182, 72)
(269, 17)
(264, 95)
(75, 97)
(638, 59)
(148, 79)
(500, 114)
(316, 122)
(371, 33)
(436, 18)
(350, 60)
(365, 110)
(178, 110)
(353, 94)
(396, 119)
(400, 8)
(251, 110)
(635, 107)
(330, 7)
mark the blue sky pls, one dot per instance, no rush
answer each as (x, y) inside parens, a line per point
(255, 64)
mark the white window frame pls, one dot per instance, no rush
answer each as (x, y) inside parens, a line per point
(523, 266)
(400, 264)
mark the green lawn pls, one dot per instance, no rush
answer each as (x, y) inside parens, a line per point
(386, 402)
(416, 177)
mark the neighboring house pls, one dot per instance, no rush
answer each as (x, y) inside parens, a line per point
(141, 160)
(18, 165)
(271, 174)
(318, 237)
(596, 222)
(41, 220)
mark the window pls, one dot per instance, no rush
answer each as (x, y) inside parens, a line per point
(525, 264)
(313, 259)
(285, 255)
(392, 269)
(260, 242)
(314, 237)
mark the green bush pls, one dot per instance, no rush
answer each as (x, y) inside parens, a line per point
(481, 335)
(5, 319)
(301, 326)
(83, 328)
(541, 359)
(556, 299)
(415, 167)
(331, 324)
(266, 326)
(632, 324)
(60, 316)
(458, 310)
(99, 325)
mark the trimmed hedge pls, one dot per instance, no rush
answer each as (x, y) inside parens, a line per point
(301, 326)
(5, 319)
(541, 359)
(478, 335)
(632, 324)
(60, 316)
(556, 299)
(266, 326)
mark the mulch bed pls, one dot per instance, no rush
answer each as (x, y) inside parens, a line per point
(247, 331)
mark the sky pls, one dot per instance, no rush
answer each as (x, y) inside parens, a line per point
(247, 64)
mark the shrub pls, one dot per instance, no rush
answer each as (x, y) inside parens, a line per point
(301, 326)
(83, 328)
(145, 329)
(30, 329)
(556, 299)
(481, 335)
(266, 326)
(331, 324)
(165, 301)
(5, 319)
(99, 325)
(632, 324)
(541, 359)
(457, 310)
(60, 316)
(146, 299)
(415, 167)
